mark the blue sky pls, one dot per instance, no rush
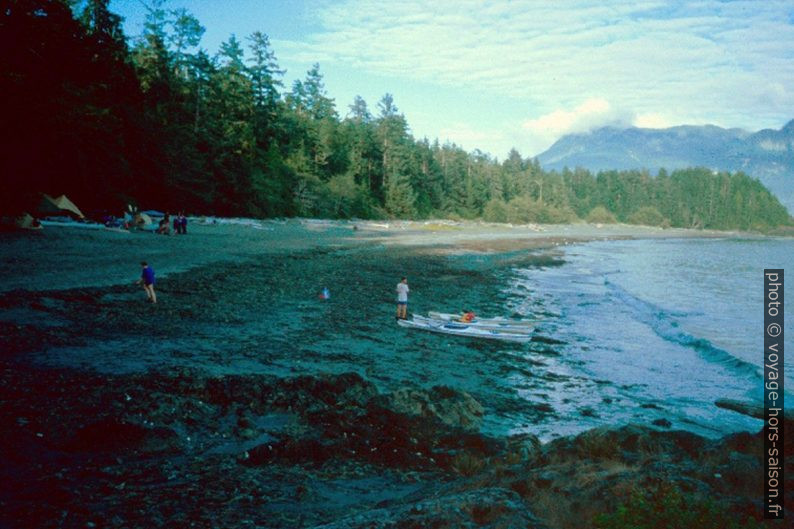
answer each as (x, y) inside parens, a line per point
(501, 74)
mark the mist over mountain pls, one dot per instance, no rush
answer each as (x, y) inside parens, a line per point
(767, 154)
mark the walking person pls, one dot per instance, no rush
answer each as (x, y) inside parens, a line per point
(402, 298)
(147, 278)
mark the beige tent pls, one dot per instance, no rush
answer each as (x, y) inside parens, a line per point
(142, 219)
(27, 222)
(59, 206)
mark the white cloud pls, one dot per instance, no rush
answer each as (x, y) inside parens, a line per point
(594, 112)
(575, 64)
(591, 114)
(653, 120)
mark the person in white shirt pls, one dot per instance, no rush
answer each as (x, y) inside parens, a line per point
(402, 298)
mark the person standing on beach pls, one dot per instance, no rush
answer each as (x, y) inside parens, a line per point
(402, 298)
(181, 221)
(147, 278)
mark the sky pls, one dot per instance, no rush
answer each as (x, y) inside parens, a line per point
(493, 75)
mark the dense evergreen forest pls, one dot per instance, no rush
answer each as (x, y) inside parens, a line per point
(159, 122)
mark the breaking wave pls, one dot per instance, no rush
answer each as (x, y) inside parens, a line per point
(666, 326)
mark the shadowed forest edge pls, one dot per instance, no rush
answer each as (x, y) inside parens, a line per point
(157, 121)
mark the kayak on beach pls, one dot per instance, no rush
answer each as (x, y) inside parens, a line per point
(463, 329)
(496, 322)
(509, 326)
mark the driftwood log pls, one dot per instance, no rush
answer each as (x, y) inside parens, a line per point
(753, 409)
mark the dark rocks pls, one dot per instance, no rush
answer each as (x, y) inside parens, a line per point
(575, 478)
(173, 448)
(449, 406)
(116, 435)
(309, 394)
(484, 508)
(380, 435)
(542, 407)
(744, 443)
(627, 444)
(522, 448)
(298, 451)
(233, 389)
(347, 389)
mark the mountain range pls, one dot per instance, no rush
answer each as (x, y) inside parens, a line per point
(767, 154)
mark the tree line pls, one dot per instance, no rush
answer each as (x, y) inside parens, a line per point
(159, 122)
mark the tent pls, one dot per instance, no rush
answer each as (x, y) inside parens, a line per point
(59, 206)
(27, 222)
(142, 219)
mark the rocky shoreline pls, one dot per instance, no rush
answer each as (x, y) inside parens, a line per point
(186, 449)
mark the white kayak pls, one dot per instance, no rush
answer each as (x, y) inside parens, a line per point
(462, 329)
(496, 322)
(501, 325)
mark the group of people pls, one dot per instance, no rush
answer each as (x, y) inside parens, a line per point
(179, 224)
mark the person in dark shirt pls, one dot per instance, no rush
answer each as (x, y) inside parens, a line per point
(147, 279)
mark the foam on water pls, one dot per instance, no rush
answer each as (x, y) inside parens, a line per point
(673, 324)
(666, 326)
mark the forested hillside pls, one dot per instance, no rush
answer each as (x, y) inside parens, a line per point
(157, 121)
(767, 154)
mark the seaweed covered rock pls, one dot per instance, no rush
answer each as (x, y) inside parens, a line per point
(116, 435)
(312, 392)
(450, 406)
(484, 508)
(167, 449)
(629, 444)
(382, 431)
(575, 478)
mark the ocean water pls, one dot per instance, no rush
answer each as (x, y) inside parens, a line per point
(665, 326)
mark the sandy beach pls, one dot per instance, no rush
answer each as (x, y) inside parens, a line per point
(61, 258)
